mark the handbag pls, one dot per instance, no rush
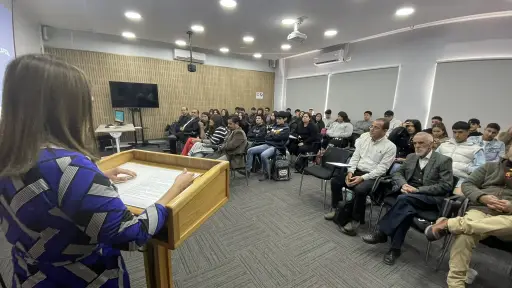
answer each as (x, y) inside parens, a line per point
(343, 213)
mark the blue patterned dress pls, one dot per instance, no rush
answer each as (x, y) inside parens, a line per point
(67, 224)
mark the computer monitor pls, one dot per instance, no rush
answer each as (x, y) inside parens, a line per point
(119, 116)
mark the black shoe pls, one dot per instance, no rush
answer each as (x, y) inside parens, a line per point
(349, 232)
(242, 172)
(391, 256)
(375, 238)
(263, 177)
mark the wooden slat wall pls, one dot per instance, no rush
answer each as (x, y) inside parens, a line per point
(210, 87)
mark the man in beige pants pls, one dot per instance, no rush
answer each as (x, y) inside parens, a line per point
(489, 189)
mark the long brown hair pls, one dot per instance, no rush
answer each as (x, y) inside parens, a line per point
(45, 102)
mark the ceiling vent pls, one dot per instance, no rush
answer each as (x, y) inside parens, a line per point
(184, 55)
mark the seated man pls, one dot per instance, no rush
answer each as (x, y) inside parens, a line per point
(489, 190)
(188, 129)
(423, 181)
(373, 156)
(435, 121)
(277, 137)
(393, 122)
(235, 144)
(474, 125)
(466, 156)
(494, 149)
(257, 132)
(363, 126)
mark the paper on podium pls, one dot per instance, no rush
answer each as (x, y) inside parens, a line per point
(149, 186)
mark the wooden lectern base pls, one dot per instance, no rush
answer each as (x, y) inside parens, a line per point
(158, 266)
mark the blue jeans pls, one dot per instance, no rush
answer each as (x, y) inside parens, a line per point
(266, 151)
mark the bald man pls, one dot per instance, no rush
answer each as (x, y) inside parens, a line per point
(421, 184)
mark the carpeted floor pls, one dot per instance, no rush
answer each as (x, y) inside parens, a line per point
(268, 236)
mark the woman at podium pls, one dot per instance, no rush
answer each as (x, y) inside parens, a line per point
(62, 215)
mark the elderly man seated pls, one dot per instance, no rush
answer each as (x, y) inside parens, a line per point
(423, 181)
(373, 156)
(489, 189)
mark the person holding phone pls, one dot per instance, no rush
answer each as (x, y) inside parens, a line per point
(62, 215)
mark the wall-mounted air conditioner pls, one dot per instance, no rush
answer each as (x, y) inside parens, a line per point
(332, 55)
(184, 55)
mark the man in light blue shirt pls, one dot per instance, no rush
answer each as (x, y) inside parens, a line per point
(494, 149)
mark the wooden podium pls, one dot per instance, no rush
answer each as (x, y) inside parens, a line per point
(186, 212)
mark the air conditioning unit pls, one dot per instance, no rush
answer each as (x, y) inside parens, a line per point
(338, 55)
(184, 55)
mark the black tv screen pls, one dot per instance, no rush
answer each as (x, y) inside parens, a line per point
(133, 95)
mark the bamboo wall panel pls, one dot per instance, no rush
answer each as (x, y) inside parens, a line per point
(210, 87)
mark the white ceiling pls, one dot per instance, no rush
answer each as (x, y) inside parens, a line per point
(168, 20)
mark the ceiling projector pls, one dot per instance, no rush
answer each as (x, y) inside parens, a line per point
(296, 35)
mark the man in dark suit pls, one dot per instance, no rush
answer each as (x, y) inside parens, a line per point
(422, 182)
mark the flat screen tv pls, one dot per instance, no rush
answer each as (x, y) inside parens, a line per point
(133, 95)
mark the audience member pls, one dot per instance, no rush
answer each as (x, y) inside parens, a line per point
(216, 135)
(261, 113)
(402, 138)
(506, 137)
(267, 115)
(494, 149)
(252, 116)
(363, 126)
(217, 112)
(184, 118)
(422, 182)
(203, 123)
(311, 111)
(297, 115)
(339, 132)
(211, 112)
(319, 121)
(307, 134)
(244, 121)
(474, 125)
(435, 120)
(225, 115)
(328, 118)
(276, 138)
(466, 156)
(372, 158)
(489, 189)
(393, 123)
(289, 110)
(272, 120)
(440, 134)
(257, 132)
(190, 129)
(234, 145)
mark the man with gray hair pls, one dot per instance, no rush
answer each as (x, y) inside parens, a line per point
(422, 182)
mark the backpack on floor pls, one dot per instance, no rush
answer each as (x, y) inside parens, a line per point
(343, 213)
(281, 168)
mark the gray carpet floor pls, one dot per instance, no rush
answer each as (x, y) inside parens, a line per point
(268, 236)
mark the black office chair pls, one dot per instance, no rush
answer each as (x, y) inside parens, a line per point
(242, 155)
(457, 205)
(324, 171)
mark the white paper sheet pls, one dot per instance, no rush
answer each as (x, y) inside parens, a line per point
(149, 186)
(338, 164)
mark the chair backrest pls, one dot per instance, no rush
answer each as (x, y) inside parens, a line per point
(334, 154)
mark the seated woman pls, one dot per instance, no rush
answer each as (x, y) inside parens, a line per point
(215, 136)
(272, 122)
(339, 132)
(204, 122)
(319, 121)
(244, 121)
(307, 134)
(234, 146)
(440, 135)
(402, 138)
(66, 222)
(257, 133)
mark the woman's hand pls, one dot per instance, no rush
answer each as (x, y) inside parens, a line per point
(119, 175)
(184, 180)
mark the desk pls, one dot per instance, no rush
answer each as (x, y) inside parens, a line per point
(115, 131)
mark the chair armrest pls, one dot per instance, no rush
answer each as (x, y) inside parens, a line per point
(452, 205)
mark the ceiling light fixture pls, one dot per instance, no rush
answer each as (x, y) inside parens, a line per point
(230, 4)
(197, 28)
(181, 42)
(331, 33)
(224, 50)
(132, 15)
(257, 55)
(404, 11)
(288, 21)
(286, 47)
(248, 39)
(128, 35)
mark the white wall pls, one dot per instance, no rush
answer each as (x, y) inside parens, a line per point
(416, 52)
(27, 32)
(80, 40)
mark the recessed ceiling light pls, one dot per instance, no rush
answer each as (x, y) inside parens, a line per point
(132, 15)
(228, 3)
(404, 11)
(128, 35)
(224, 50)
(248, 39)
(288, 21)
(330, 33)
(257, 55)
(197, 28)
(286, 46)
(181, 43)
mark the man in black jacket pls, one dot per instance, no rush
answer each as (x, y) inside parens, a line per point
(257, 132)
(187, 129)
(276, 138)
(422, 182)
